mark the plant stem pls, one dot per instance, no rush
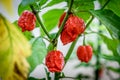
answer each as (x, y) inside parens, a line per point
(69, 78)
(87, 25)
(62, 26)
(57, 75)
(84, 39)
(65, 19)
(70, 50)
(105, 4)
(39, 20)
(46, 39)
(98, 59)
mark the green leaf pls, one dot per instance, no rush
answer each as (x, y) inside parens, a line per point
(111, 57)
(47, 74)
(53, 2)
(52, 35)
(113, 5)
(81, 7)
(28, 2)
(118, 49)
(38, 53)
(110, 20)
(27, 34)
(50, 47)
(25, 5)
(22, 7)
(112, 44)
(82, 77)
(117, 70)
(42, 2)
(51, 18)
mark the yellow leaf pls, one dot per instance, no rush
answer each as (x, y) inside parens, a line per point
(14, 48)
(7, 4)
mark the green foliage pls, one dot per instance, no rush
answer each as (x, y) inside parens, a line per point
(113, 5)
(53, 2)
(81, 76)
(108, 42)
(110, 17)
(42, 2)
(21, 8)
(52, 35)
(24, 5)
(111, 57)
(38, 53)
(27, 34)
(50, 47)
(81, 7)
(117, 70)
(51, 18)
(28, 2)
(47, 74)
(110, 20)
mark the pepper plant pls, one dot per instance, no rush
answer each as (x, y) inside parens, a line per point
(73, 22)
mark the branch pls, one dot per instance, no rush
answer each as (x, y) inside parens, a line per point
(39, 20)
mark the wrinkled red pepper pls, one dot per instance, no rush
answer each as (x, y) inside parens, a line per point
(73, 27)
(84, 53)
(54, 61)
(27, 21)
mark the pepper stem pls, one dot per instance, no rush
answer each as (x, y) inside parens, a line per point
(70, 50)
(40, 22)
(84, 39)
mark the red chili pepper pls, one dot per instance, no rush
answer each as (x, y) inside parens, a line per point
(74, 26)
(27, 21)
(84, 53)
(54, 61)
